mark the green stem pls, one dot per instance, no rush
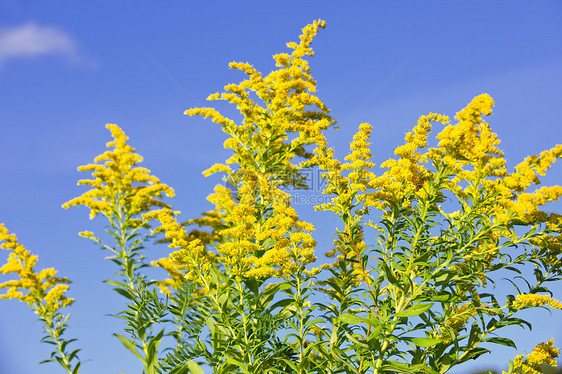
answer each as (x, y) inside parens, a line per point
(55, 335)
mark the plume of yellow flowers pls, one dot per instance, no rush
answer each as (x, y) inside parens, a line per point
(190, 262)
(534, 300)
(42, 290)
(118, 182)
(405, 175)
(543, 354)
(348, 183)
(251, 245)
(257, 233)
(521, 207)
(456, 321)
(261, 143)
(262, 246)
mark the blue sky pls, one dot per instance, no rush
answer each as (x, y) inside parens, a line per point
(67, 69)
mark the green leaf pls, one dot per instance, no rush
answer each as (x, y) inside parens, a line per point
(124, 293)
(131, 346)
(389, 275)
(116, 284)
(152, 349)
(517, 321)
(425, 342)
(356, 341)
(350, 319)
(194, 368)
(502, 341)
(400, 367)
(252, 284)
(76, 368)
(414, 310)
(237, 364)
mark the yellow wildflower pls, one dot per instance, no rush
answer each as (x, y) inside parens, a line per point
(192, 261)
(43, 291)
(543, 354)
(261, 142)
(533, 300)
(457, 320)
(407, 174)
(119, 182)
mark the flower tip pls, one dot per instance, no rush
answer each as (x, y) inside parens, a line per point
(86, 234)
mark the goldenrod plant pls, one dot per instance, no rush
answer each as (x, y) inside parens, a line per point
(410, 287)
(44, 292)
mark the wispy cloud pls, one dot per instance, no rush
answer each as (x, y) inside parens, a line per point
(33, 40)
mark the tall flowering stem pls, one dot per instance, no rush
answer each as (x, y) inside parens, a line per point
(44, 292)
(121, 191)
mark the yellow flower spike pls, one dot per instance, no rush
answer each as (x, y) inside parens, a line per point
(533, 300)
(359, 158)
(192, 256)
(471, 141)
(543, 354)
(285, 104)
(407, 174)
(217, 168)
(43, 291)
(118, 181)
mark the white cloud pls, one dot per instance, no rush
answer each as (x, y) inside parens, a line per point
(32, 40)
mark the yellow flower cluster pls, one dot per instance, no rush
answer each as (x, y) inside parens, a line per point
(262, 142)
(469, 154)
(457, 321)
(534, 300)
(407, 174)
(514, 204)
(257, 234)
(119, 182)
(214, 219)
(347, 188)
(468, 149)
(543, 354)
(43, 291)
(526, 172)
(350, 192)
(359, 159)
(192, 261)
(276, 244)
(470, 140)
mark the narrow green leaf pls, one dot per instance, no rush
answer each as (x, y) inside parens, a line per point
(389, 275)
(124, 293)
(350, 319)
(502, 341)
(152, 348)
(425, 342)
(76, 368)
(194, 368)
(131, 346)
(414, 310)
(238, 364)
(116, 284)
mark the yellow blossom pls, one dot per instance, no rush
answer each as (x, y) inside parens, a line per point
(543, 354)
(534, 300)
(119, 182)
(405, 175)
(192, 261)
(43, 291)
